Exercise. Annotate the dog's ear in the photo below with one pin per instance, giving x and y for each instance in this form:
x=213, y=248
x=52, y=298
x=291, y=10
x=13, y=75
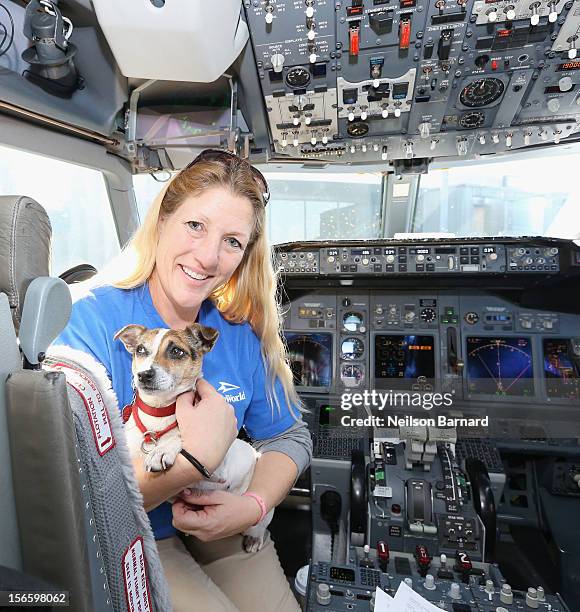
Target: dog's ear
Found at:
x=202, y=338
x=130, y=335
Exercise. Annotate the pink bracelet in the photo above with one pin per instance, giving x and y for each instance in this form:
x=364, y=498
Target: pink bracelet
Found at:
x=261, y=503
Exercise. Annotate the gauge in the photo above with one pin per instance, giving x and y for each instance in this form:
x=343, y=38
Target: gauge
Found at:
x=298, y=77
x=352, y=348
x=500, y=366
x=471, y=317
x=351, y=375
x=473, y=120
x=358, y=129
x=481, y=92
x=428, y=315
x=352, y=321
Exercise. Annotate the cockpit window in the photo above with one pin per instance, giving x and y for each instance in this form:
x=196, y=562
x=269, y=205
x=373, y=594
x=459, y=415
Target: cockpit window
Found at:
x=527, y=195
x=313, y=205
x=324, y=205
x=76, y=201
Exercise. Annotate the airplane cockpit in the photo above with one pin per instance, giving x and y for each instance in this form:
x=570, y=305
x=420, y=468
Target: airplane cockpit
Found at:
x=424, y=217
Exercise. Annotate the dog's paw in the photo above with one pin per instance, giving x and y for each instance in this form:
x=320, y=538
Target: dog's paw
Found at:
x=162, y=457
x=253, y=544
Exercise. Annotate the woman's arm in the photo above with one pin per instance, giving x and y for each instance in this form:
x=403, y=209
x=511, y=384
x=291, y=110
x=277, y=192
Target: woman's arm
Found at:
x=157, y=487
x=284, y=458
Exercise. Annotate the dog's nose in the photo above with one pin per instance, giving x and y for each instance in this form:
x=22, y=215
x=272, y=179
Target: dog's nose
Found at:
x=146, y=375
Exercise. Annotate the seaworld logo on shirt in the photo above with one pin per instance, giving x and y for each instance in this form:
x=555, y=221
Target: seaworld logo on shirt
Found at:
x=225, y=387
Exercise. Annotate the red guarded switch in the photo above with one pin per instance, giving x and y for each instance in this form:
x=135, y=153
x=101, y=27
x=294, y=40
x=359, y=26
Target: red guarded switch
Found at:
x=354, y=39
x=404, y=33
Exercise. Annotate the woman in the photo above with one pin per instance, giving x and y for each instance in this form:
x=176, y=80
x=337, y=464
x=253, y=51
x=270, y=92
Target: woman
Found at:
x=202, y=255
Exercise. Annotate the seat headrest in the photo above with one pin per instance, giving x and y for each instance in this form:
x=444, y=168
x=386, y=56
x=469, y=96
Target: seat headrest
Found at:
x=25, y=234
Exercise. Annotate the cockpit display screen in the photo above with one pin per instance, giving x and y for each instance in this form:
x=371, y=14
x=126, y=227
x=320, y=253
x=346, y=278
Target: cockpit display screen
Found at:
x=404, y=357
x=310, y=356
x=561, y=368
x=500, y=366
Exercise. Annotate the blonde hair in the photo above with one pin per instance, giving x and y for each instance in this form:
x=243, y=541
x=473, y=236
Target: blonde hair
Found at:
x=250, y=294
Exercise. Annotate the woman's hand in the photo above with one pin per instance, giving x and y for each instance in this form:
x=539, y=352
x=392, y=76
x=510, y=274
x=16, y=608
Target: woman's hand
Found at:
x=208, y=427
x=212, y=515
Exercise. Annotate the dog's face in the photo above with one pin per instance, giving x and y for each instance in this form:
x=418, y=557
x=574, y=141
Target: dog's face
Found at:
x=166, y=362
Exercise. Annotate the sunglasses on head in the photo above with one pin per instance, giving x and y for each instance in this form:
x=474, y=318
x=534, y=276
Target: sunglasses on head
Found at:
x=220, y=155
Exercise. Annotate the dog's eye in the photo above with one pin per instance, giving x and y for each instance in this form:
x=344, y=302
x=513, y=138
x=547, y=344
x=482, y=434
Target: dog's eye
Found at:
x=141, y=350
x=176, y=352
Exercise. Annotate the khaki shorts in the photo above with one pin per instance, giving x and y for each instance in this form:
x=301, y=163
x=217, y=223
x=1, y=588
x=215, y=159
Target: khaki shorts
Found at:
x=221, y=577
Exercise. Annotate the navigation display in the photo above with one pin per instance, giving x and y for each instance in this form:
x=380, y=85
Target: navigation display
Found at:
x=404, y=357
x=561, y=369
x=500, y=366
x=310, y=356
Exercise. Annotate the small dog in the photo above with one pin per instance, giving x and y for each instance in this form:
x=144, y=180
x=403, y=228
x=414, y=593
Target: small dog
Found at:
x=167, y=363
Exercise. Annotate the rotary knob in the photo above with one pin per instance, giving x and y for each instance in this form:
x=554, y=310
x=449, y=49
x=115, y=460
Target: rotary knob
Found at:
x=510, y=13
x=429, y=583
x=420, y=258
x=506, y=595
x=455, y=591
x=323, y=594
x=532, y=598
x=410, y=316
x=492, y=16
x=565, y=84
x=390, y=259
x=385, y=113
x=277, y=62
x=553, y=105
x=425, y=129
x=397, y=112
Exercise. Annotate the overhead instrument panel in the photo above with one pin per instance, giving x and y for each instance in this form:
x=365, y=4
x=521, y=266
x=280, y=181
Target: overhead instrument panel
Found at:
x=384, y=80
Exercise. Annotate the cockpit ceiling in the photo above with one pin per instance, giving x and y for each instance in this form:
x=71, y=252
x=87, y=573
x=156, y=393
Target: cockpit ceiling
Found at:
x=377, y=82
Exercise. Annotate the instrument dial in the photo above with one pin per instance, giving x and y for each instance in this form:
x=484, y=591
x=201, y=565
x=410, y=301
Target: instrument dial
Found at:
x=471, y=121
x=352, y=348
x=358, y=129
x=351, y=375
x=471, y=317
x=428, y=315
x=352, y=321
x=298, y=77
x=481, y=92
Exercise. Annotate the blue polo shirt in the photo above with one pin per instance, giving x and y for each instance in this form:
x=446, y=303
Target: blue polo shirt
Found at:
x=234, y=366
